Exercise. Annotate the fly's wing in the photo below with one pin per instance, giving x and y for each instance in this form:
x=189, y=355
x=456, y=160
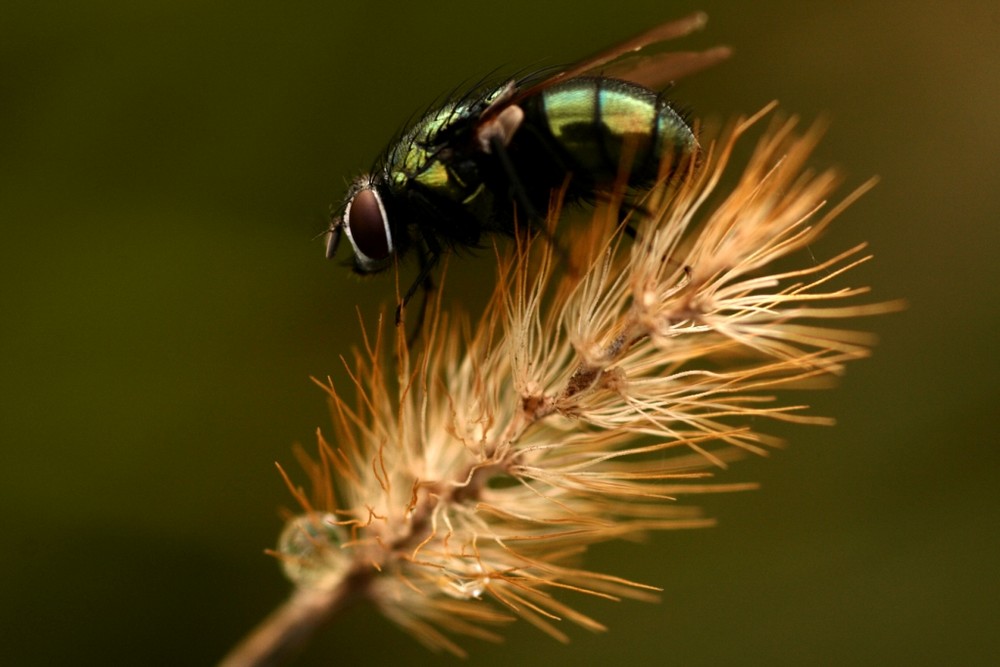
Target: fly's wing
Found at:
x=619, y=58
x=620, y=61
x=659, y=70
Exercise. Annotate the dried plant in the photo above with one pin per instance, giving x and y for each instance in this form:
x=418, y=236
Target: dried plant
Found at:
x=464, y=482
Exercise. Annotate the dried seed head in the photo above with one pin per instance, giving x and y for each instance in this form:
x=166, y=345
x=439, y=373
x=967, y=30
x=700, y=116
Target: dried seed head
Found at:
x=582, y=405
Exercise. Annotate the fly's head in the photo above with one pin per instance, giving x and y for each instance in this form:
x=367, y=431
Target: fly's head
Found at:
x=366, y=225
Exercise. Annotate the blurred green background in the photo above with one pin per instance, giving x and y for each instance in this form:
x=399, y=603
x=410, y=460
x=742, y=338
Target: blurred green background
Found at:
x=163, y=169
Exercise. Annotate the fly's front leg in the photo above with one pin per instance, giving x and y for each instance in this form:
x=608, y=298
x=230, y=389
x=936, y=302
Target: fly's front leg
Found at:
x=428, y=255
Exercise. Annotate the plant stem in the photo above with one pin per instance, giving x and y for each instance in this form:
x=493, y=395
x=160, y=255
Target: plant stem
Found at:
x=284, y=633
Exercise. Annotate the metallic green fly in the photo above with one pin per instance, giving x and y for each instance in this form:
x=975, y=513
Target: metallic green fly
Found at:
x=459, y=173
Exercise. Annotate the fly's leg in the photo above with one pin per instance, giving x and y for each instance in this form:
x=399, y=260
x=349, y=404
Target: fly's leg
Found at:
x=429, y=253
x=629, y=210
x=535, y=220
x=498, y=148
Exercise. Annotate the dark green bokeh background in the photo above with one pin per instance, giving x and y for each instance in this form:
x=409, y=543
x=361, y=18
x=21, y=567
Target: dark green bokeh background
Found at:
x=163, y=167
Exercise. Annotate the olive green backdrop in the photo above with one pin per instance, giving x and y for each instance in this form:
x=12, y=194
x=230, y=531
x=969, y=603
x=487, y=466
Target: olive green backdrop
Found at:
x=163, y=169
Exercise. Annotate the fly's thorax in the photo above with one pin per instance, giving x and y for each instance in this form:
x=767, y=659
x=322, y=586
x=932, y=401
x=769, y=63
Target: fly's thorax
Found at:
x=438, y=159
x=601, y=126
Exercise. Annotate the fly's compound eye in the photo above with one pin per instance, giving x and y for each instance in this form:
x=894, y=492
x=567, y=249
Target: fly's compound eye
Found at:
x=367, y=228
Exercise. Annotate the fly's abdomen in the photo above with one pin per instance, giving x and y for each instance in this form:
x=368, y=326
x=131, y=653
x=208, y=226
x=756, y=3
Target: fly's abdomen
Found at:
x=597, y=128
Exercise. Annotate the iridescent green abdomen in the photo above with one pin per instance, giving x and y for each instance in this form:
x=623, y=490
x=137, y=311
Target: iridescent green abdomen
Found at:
x=595, y=127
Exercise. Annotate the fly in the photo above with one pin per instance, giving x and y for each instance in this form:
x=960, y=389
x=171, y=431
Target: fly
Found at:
x=459, y=172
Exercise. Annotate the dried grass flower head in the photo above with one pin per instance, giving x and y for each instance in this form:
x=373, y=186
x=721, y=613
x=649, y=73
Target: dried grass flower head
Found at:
x=463, y=483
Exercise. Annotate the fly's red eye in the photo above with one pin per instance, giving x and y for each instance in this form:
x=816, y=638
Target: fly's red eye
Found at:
x=366, y=223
